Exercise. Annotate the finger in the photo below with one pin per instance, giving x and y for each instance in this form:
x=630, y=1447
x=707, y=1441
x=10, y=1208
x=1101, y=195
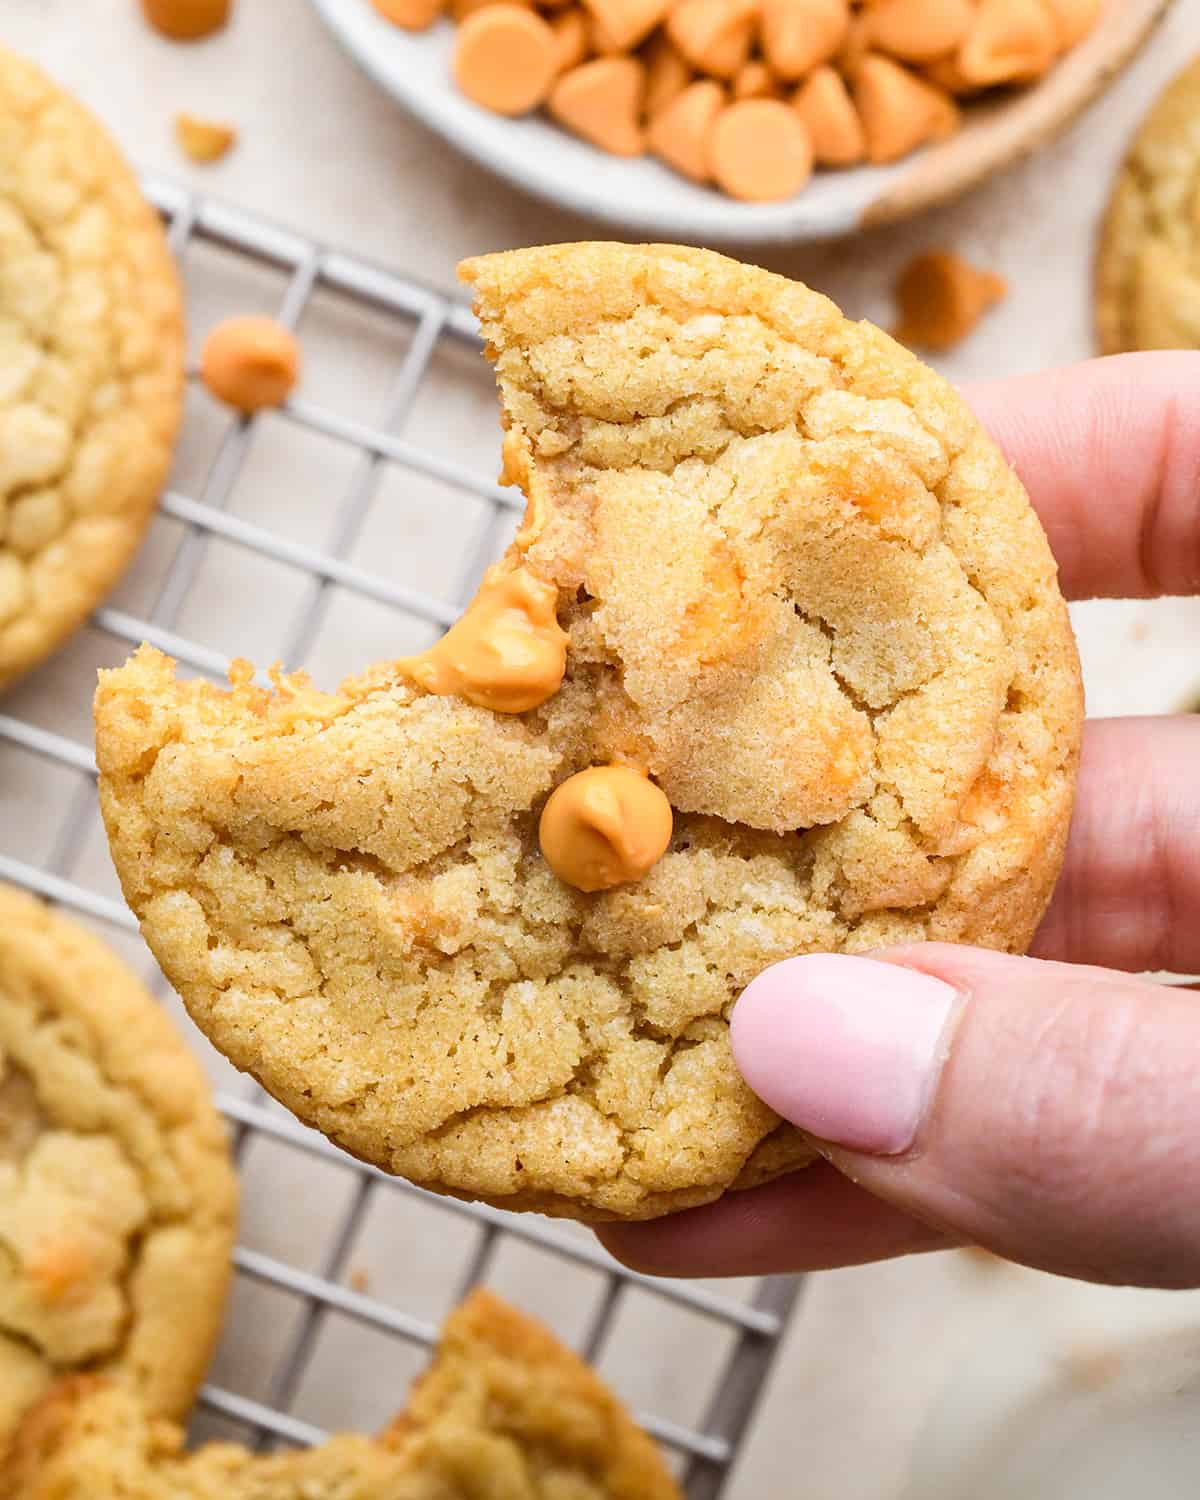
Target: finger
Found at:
x=1048, y=1112
x=1110, y=454
x=809, y=1221
x=1133, y=859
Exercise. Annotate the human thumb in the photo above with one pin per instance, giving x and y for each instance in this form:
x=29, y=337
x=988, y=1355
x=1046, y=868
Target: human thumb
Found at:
x=1049, y=1112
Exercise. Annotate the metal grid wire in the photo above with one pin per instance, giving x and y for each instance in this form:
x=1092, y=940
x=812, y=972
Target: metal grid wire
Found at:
x=704, y=1451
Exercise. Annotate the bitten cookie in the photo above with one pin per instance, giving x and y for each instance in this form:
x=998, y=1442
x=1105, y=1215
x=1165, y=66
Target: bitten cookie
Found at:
x=773, y=578
x=504, y=1412
x=91, y=364
x=1148, y=264
x=117, y=1198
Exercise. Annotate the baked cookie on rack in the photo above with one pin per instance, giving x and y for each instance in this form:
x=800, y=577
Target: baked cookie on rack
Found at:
x=91, y=354
x=504, y=1412
x=776, y=663
x=1148, y=264
x=117, y=1197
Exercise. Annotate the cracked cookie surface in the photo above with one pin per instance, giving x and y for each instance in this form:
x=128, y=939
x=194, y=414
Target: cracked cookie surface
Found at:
x=802, y=589
x=117, y=1198
x=91, y=364
x=1148, y=264
x=504, y=1412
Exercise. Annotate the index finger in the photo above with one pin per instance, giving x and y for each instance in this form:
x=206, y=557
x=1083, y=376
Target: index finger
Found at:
x=1110, y=454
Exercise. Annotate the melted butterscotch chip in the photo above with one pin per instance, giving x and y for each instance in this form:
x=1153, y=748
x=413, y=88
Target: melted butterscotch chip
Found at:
x=604, y=827
x=506, y=653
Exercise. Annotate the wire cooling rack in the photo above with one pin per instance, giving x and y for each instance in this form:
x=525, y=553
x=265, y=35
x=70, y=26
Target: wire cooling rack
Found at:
x=692, y=1357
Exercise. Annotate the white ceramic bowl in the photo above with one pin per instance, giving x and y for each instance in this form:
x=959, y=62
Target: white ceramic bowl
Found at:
x=647, y=198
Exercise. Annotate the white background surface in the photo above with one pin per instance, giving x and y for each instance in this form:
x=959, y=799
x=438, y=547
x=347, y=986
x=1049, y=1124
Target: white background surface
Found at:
x=324, y=151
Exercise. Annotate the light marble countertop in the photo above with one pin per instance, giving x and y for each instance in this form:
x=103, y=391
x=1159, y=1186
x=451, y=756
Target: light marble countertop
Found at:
x=322, y=150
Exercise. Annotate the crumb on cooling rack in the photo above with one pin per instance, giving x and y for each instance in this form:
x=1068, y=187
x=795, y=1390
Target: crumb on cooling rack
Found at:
x=203, y=140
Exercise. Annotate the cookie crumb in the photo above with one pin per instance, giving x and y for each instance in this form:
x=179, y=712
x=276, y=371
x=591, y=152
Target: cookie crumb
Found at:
x=360, y=1280
x=203, y=140
x=941, y=298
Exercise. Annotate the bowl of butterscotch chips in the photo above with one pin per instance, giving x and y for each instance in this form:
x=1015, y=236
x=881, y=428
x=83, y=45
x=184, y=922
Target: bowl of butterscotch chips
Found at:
x=749, y=120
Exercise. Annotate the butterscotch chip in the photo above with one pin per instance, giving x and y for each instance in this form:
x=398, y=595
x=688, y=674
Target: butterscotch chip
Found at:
x=603, y=827
x=714, y=35
x=667, y=75
x=1074, y=19
x=505, y=58
x=946, y=73
x=898, y=110
x=941, y=298
x=503, y=1412
x=756, y=81
x=761, y=151
x=186, y=20
x=803, y=590
x=602, y=102
x=92, y=339
x=571, y=29
x=623, y=24
x=920, y=30
x=823, y=102
x=1148, y=266
x=856, y=46
x=681, y=133
x=801, y=34
x=459, y=10
x=203, y=140
x=117, y=1196
x=412, y=15
x=1011, y=41
x=250, y=363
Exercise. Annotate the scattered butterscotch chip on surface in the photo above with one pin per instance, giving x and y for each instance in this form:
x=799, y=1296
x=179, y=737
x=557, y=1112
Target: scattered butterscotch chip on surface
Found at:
x=250, y=363
x=411, y=15
x=505, y=59
x=941, y=298
x=601, y=101
x=760, y=151
x=682, y=132
x=186, y=20
x=203, y=140
x=823, y=102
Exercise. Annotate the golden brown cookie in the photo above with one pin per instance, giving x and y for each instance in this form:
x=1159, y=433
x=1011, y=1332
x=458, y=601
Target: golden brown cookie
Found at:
x=117, y=1198
x=91, y=364
x=1148, y=264
x=504, y=1412
x=801, y=589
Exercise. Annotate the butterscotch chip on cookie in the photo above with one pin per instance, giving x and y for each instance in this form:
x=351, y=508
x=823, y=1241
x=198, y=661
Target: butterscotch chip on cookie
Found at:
x=1148, y=266
x=91, y=364
x=117, y=1198
x=504, y=1412
x=803, y=593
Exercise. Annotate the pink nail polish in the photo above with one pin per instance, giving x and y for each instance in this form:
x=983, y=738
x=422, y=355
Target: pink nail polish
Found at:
x=849, y=1049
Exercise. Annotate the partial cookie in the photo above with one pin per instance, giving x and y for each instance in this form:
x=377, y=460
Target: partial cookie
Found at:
x=504, y=1412
x=91, y=364
x=117, y=1198
x=800, y=588
x=1148, y=265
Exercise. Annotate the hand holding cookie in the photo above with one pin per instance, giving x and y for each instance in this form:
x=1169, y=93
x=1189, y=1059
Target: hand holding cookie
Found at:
x=1039, y=1107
